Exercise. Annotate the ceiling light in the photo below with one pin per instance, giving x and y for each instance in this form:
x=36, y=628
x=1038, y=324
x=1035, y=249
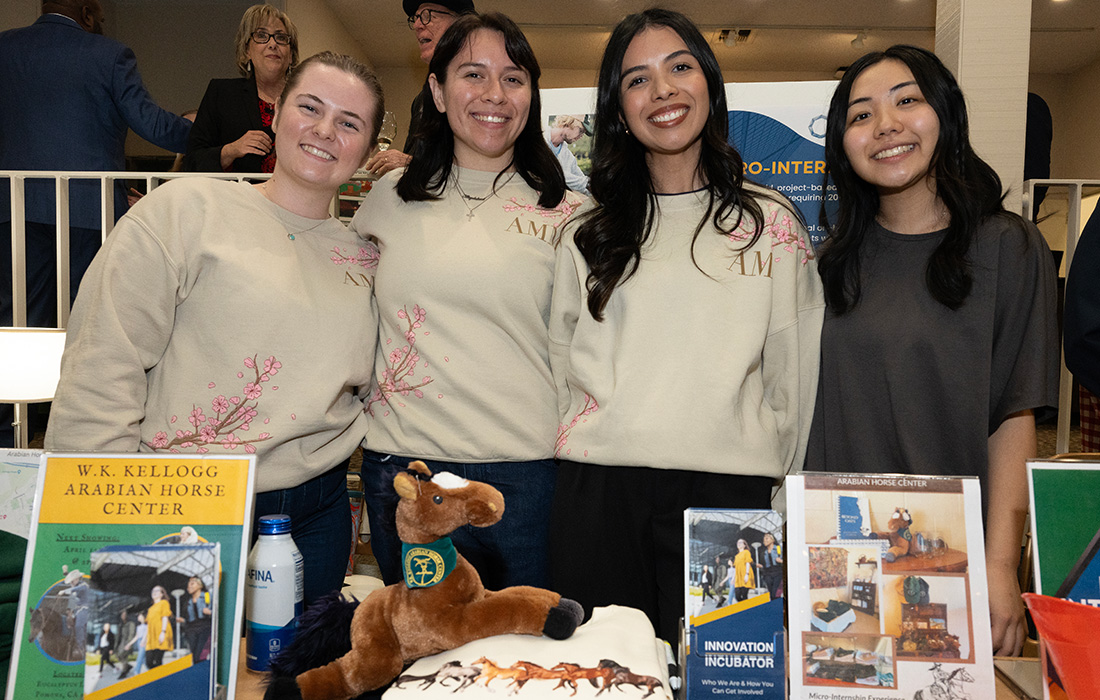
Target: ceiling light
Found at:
x=735, y=37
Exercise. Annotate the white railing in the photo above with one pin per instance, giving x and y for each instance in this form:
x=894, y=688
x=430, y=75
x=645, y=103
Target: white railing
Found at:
x=1074, y=192
x=17, y=180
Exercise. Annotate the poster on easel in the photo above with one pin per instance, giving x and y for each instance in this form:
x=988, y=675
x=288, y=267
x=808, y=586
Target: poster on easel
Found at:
x=134, y=577
x=899, y=610
x=1065, y=529
x=778, y=128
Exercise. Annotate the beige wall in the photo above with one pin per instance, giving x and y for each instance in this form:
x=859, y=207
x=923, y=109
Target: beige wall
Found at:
x=18, y=13
x=320, y=30
x=1074, y=101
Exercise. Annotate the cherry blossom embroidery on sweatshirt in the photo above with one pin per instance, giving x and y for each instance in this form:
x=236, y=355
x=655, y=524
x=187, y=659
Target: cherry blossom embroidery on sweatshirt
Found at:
x=366, y=257
x=402, y=363
x=560, y=213
x=228, y=416
x=783, y=234
x=590, y=407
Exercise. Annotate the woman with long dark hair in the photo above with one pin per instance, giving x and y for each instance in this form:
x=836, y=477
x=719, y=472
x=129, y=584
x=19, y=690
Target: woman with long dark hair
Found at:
x=466, y=239
x=684, y=329
x=939, y=338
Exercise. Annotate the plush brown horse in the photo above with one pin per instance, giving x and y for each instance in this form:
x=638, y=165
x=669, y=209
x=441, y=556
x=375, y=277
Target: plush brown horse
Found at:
x=441, y=604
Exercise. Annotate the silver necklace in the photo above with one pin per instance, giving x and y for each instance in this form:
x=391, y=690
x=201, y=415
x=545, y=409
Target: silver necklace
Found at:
x=290, y=234
x=466, y=198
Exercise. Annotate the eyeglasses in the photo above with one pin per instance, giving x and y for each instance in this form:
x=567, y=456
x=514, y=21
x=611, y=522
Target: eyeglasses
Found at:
x=262, y=36
x=425, y=17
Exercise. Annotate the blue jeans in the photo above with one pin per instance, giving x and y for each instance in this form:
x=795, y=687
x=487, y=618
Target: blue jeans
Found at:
x=513, y=552
x=320, y=523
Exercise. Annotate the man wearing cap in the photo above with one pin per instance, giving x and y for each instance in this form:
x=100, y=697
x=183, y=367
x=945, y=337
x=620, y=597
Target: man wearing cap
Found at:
x=429, y=20
x=567, y=129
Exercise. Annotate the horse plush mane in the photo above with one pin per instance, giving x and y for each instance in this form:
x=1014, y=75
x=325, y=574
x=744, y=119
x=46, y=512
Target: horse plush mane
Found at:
x=441, y=604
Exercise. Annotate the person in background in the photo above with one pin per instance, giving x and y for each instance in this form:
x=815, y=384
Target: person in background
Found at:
x=232, y=131
x=140, y=633
x=68, y=96
x=158, y=638
x=276, y=293
x=771, y=566
x=940, y=338
x=1081, y=329
x=126, y=628
x=429, y=21
x=105, y=642
x=466, y=240
x=567, y=130
x=744, y=575
x=196, y=619
x=683, y=331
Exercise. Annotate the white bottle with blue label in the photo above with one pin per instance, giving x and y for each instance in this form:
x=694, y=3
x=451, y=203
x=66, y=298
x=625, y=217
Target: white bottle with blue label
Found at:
x=274, y=593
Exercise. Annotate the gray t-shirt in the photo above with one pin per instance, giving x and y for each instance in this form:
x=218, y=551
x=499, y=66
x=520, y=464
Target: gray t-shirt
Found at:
x=910, y=386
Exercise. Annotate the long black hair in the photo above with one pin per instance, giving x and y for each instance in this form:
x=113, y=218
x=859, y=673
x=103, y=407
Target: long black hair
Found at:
x=967, y=185
x=432, y=153
x=611, y=236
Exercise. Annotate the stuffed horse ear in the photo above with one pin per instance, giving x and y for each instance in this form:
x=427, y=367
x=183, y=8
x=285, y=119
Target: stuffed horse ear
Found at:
x=407, y=484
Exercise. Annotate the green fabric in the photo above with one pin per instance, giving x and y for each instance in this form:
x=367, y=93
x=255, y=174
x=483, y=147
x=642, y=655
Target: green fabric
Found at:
x=426, y=565
x=13, y=550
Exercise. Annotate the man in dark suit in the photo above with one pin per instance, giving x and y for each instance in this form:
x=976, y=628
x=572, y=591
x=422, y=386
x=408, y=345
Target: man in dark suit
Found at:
x=67, y=96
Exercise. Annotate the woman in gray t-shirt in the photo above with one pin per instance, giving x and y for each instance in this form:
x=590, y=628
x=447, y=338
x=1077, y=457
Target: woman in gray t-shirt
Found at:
x=939, y=338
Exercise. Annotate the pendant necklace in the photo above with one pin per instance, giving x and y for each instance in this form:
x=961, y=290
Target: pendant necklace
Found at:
x=291, y=234
x=480, y=200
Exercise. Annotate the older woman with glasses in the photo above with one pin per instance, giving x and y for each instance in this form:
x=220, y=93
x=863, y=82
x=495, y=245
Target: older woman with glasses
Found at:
x=232, y=130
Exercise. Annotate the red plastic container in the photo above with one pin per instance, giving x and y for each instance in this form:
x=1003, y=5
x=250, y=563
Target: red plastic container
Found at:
x=1068, y=633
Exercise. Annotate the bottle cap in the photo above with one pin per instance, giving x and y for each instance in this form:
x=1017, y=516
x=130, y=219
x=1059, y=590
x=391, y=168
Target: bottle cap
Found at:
x=274, y=524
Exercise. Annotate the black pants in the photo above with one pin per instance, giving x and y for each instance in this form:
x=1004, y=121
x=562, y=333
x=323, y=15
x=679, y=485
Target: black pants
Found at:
x=105, y=658
x=154, y=657
x=617, y=534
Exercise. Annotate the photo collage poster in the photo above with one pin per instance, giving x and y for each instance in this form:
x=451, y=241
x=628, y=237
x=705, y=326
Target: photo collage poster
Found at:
x=778, y=128
x=896, y=606
x=134, y=577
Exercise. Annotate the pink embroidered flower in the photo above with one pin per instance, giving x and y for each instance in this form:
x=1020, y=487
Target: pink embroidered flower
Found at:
x=250, y=363
x=250, y=449
x=208, y=433
x=160, y=440
x=230, y=441
x=197, y=417
x=252, y=391
x=220, y=404
x=272, y=366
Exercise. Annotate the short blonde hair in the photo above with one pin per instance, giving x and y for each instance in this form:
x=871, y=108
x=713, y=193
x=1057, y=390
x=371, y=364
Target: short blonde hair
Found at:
x=566, y=120
x=254, y=18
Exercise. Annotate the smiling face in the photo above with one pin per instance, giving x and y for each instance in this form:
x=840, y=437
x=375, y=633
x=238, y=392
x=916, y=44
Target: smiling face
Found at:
x=323, y=128
x=271, y=60
x=664, y=96
x=891, y=132
x=487, y=100
x=427, y=35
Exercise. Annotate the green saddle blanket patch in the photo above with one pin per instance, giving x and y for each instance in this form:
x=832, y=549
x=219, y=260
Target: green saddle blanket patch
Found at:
x=426, y=565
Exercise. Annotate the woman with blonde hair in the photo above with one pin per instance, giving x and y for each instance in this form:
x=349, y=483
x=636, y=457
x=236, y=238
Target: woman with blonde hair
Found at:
x=232, y=131
x=158, y=638
x=224, y=317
